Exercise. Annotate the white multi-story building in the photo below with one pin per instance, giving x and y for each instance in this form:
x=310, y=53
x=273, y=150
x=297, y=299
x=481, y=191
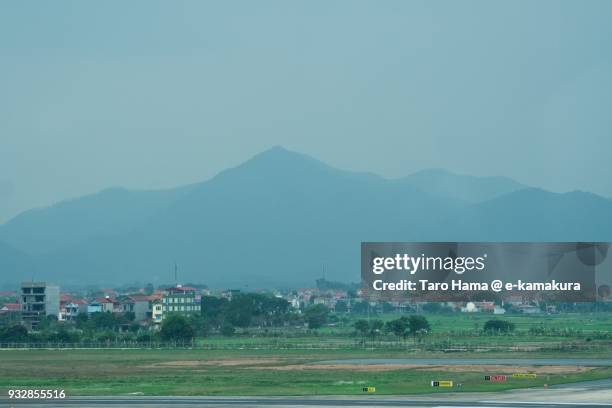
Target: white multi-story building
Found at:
x=182, y=300
x=38, y=300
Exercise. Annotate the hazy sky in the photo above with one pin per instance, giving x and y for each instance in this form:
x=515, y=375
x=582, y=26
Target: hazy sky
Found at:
x=155, y=94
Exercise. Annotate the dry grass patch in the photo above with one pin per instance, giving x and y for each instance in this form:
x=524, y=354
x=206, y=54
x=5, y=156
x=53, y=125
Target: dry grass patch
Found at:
x=216, y=363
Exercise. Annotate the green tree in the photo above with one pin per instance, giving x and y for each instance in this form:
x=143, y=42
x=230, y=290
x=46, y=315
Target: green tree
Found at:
x=362, y=327
x=227, y=329
x=103, y=321
x=398, y=327
x=316, y=316
x=270, y=310
x=341, y=307
x=213, y=309
x=498, y=326
x=376, y=326
x=145, y=338
x=48, y=323
x=418, y=324
x=14, y=334
x=240, y=310
x=126, y=317
x=247, y=309
x=177, y=328
x=360, y=307
x=65, y=336
x=81, y=320
x=200, y=324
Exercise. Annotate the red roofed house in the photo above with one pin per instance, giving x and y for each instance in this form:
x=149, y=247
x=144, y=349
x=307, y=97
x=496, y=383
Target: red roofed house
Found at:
x=10, y=307
x=101, y=305
x=11, y=311
x=140, y=305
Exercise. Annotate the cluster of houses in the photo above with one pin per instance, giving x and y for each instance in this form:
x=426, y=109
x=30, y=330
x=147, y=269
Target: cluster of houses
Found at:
x=39, y=299
x=36, y=300
x=315, y=296
x=333, y=298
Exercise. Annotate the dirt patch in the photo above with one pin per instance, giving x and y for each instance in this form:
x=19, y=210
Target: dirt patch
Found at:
x=216, y=363
x=244, y=361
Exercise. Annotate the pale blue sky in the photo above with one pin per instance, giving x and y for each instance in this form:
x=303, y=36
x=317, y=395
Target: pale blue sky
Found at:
x=155, y=94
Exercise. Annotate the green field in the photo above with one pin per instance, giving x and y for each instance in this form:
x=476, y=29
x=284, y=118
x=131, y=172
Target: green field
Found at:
x=584, y=323
x=203, y=372
x=588, y=332
x=273, y=362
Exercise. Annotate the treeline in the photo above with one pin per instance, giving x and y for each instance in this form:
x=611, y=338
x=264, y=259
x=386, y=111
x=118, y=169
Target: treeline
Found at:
x=245, y=310
x=417, y=326
x=244, y=313
x=219, y=316
x=405, y=326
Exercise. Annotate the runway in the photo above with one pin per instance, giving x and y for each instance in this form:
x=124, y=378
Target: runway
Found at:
x=591, y=394
x=260, y=402
x=584, y=362
x=293, y=402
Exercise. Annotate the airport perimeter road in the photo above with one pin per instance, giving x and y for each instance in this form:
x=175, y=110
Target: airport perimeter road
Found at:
x=585, y=362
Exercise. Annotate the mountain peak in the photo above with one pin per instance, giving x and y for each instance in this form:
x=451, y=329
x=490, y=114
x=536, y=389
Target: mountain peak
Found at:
x=278, y=149
x=278, y=160
x=280, y=153
x=289, y=205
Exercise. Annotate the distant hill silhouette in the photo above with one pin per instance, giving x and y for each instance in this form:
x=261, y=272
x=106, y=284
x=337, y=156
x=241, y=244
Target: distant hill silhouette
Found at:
x=467, y=188
x=69, y=222
x=279, y=218
x=536, y=215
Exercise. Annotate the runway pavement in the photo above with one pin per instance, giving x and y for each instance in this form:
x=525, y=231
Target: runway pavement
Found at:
x=294, y=402
x=585, y=362
x=591, y=394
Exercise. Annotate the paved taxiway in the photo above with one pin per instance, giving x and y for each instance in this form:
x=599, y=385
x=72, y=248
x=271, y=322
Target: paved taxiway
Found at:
x=591, y=394
x=586, y=362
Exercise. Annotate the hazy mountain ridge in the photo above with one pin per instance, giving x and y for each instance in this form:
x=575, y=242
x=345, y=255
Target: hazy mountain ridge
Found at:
x=108, y=212
x=276, y=212
x=536, y=215
x=471, y=189
x=14, y=264
x=280, y=217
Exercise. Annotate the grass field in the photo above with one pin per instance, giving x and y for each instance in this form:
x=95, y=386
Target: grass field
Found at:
x=584, y=323
x=270, y=370
x=589, y=331
x=263, y=372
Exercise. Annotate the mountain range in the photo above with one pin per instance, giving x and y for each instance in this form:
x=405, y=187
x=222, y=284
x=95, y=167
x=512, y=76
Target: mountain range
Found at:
x=281, y=219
